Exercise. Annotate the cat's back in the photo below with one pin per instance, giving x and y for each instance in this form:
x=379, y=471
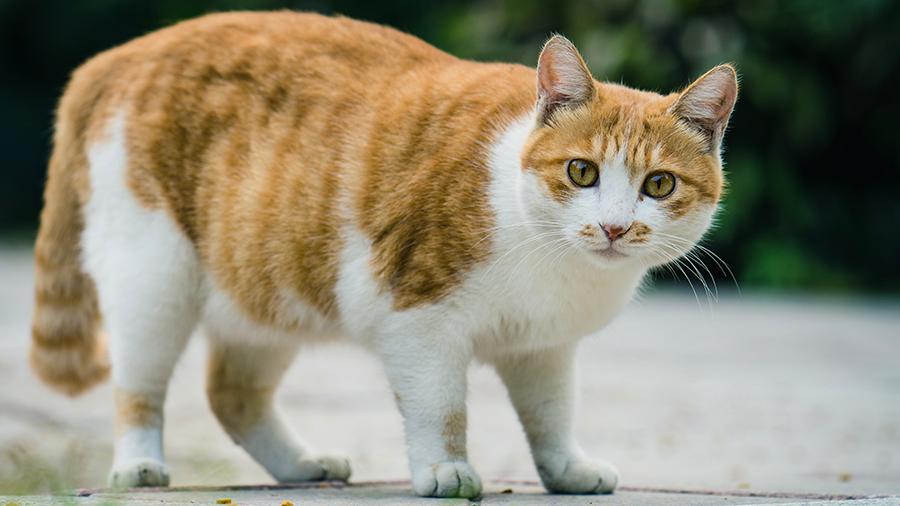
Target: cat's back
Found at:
x=259, y=53
x=255, y=39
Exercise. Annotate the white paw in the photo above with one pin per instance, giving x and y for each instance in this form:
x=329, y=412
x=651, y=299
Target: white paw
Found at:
x=447, y=479
x=336, y=467
x=582, y=477
x=139, y=473
x=321, y=468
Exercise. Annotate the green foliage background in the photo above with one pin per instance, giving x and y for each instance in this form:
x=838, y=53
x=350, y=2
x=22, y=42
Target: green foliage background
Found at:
x=813, y=151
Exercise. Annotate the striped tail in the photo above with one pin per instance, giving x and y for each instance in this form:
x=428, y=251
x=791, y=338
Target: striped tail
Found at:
x=66, y=350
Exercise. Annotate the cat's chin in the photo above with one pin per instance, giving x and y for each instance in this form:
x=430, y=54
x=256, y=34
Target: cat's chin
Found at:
x=609, y=256
x=609, y=253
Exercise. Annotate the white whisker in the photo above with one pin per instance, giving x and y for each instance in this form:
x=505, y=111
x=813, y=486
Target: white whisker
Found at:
x=685, y=261
x=516, y=268
x=494, y=230
x=722, y=265
x=514, y=248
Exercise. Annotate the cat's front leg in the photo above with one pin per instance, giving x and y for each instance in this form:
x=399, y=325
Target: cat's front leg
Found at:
x=541, y=385
x=429, y=386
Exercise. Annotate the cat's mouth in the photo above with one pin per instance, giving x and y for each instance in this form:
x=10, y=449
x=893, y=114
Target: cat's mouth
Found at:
x=608, y=253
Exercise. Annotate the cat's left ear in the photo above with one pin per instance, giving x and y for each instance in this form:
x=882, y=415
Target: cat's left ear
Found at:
x=707, y=104
x=563, y=78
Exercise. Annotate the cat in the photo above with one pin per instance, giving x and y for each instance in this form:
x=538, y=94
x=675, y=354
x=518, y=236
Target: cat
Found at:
x=289, y=178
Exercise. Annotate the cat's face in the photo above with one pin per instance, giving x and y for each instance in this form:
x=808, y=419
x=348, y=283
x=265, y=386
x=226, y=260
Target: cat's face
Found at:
x=621, y=176
x=621, y=182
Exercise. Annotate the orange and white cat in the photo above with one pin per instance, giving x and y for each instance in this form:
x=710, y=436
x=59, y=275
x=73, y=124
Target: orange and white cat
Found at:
x=285, y=178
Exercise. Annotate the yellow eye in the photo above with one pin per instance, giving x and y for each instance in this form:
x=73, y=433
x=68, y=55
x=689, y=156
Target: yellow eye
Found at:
x=583, y=172
x=659, y=184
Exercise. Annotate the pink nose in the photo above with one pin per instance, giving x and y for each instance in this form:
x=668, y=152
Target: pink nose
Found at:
x=614, y=231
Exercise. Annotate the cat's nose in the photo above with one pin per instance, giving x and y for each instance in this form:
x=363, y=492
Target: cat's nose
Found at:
x=614, y=231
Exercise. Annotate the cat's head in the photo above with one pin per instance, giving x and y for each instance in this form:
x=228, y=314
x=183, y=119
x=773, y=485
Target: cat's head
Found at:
x=623, y=176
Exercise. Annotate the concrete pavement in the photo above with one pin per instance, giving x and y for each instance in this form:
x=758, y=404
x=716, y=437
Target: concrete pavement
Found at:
x=497, y=493
x=760, y=393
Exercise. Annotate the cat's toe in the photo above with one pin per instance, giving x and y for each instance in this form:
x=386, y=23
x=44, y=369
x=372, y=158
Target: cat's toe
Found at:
x=583, y=477
x=319, y=468
x=336, y=467
x=139, y=473
x=447, y=479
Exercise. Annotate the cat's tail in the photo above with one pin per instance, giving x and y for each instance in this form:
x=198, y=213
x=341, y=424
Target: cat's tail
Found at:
x=67, y=350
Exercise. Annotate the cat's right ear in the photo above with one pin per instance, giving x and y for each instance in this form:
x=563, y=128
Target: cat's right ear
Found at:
x=706, y=104
x=563, y=78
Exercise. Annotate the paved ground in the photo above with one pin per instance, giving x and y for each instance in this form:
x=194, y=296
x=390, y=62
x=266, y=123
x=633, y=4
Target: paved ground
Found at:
x=398, y=494
x=760, y=393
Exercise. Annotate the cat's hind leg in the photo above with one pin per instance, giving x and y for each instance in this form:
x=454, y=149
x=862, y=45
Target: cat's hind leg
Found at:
x=150, y=309
x=241, y=384
x=541, y=385
x=147, y=276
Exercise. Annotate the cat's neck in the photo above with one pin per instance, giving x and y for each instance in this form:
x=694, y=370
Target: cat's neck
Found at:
x=506, y=174
x=550, y=291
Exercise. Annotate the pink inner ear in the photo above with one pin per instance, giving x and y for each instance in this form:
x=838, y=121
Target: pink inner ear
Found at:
x=726, y=104
x=546, y=80
x=724, y=83
x=710, y=99
x=562, y=75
